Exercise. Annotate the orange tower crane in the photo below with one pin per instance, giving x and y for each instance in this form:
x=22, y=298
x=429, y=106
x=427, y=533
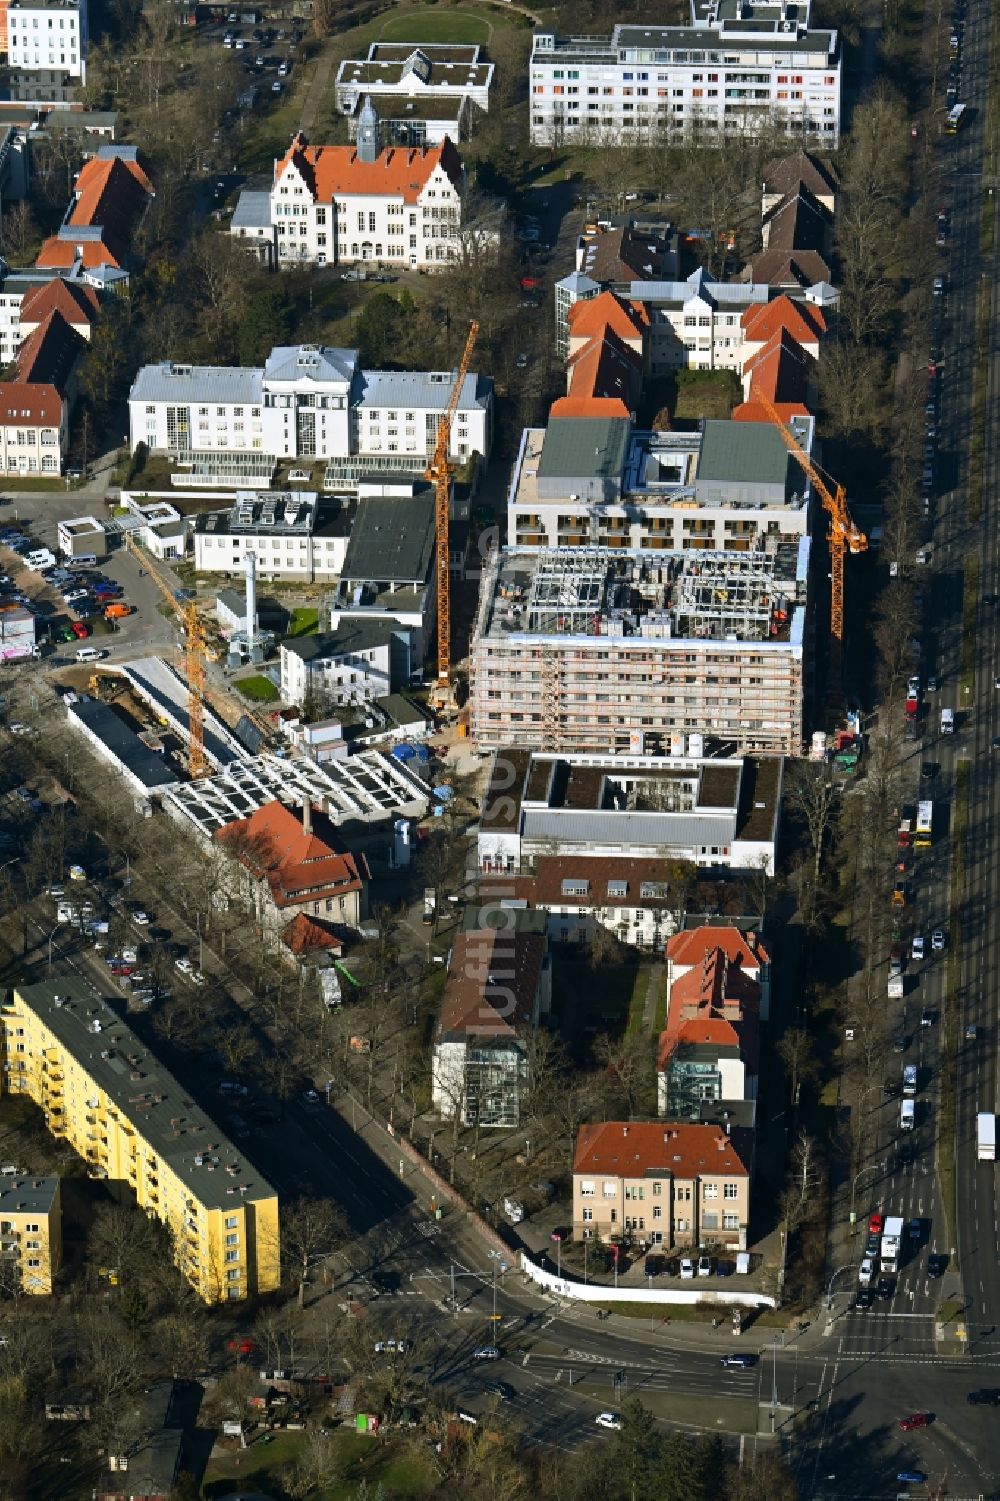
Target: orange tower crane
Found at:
x=440, y=471
x=195, y=646
x=844, y=533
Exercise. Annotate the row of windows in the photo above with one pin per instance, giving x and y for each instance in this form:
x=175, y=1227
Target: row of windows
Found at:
x=609, y=1188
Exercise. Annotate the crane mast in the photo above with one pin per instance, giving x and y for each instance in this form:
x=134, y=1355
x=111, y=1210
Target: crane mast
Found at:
x=844, y=535
x=440, y=471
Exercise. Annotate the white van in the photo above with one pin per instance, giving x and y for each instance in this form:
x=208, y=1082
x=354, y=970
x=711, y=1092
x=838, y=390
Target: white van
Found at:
x=907, y=1115
x=910, y=1081
x=36, y=561
x=89, y=654
x=85, y=560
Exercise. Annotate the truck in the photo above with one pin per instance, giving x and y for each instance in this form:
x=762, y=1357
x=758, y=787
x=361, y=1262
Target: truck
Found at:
x=892, y=1236
x=947, y=721
x=912, y=698
x=986, y=1136
x=896, y=990
x=925, y=825
x=907, y=1115
x=904, y=834
x=430, y=904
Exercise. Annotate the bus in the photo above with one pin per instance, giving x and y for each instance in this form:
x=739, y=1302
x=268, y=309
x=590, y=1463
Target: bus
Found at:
x=954, y=119
x=925, y=820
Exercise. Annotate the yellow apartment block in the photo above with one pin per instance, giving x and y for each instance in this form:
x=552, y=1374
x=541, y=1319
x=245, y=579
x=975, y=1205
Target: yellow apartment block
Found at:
x=30, y=1231
x=102, y=1091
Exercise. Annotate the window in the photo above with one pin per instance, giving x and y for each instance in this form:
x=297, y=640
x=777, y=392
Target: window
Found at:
x=730, y=1222
x=587, y=1188
x=617, y=888
x=575, y=887
x=232, y=1255
x=232, y=1240
x=657, y=1212
x=730, y=1190
x=233, y=1276
x=610, y=1189
x=711, y=1190
x=31, y=1229
x=657, y=1188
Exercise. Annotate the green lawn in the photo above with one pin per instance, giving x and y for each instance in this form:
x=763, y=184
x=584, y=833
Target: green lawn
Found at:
x=403, y=1474
x=259, y=689
x=305, y=620
x=437, y=26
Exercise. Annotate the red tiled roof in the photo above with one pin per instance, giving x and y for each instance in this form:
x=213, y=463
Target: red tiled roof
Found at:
x=606, y=367
x=752, y=411
x=47, y=355
x=803, y=320
x=692, y=945
x=607, y=310
x=778, y=372
x=492, y=982
x=110, y=195
x=588, y=406
x=297, y=866
x=59, y=253
x=398, y=171
x=714, y=1003
x=631, y=1149
x=30, y=406
x=306, y=934
x=79, y=305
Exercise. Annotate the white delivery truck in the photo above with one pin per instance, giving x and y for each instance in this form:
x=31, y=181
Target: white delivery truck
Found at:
x=986, y=1136
x=892, y=1236
x=947, y=721
x=896, y=987
x=907, y=1115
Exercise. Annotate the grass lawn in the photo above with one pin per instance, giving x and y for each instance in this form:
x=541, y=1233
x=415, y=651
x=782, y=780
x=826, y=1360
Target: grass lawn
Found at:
x=305, y=620
x=403, y=1475
x=706, y=393
x=419, y=25
x=259, y=689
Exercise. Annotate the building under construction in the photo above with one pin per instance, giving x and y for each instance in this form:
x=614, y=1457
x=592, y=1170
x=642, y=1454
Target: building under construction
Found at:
x=589, y=649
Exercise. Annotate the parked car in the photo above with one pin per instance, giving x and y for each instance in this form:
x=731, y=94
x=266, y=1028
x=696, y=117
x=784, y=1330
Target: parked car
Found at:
x=704, y=1266
x=392, y=1346
x=501, y=1389
x=915, y=1420
x=985, y=1397
x=608, y=1420
x=487, y=1352
x=687, y=1268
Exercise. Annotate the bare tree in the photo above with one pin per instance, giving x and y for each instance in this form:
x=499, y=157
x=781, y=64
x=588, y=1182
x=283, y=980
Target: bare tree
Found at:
x=797, y=1051
x=311, y=1230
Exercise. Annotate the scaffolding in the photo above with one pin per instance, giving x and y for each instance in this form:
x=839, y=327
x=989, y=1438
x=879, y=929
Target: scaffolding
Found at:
x=568, y=590
x=729, y=594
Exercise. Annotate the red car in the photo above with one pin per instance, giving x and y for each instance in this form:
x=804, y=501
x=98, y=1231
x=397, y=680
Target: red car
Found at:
x=79, y=629
x=876, y=1224
x=915, y=1420
x=242, y=1346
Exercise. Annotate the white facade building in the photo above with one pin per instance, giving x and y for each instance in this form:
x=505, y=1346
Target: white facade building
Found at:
x=731, y=487
x=738, y=65
x=329, y=205
x=359, y=661
x=422, y=93
x=290, y=535
x=48, y=36
x=308, y=403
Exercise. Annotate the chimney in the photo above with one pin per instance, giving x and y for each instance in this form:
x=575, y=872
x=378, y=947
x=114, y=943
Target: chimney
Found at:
x=624, y=1130
x=307, y=815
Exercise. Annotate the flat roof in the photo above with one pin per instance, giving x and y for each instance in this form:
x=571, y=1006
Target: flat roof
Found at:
x=751, y=452
x=122, y=742
x=144, y=1092
x=392, y=540
x=23, y=1193
x=591, y=446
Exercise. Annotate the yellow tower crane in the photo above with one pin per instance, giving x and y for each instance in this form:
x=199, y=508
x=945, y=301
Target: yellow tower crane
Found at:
x=844, y=534
x=194, y=655
x=440, y=471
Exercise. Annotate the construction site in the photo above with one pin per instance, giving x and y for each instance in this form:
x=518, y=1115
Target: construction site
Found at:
x=588, y=649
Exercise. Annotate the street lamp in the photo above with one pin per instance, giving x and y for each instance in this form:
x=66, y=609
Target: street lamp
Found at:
x=557, y=1237
x=870, y=1167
